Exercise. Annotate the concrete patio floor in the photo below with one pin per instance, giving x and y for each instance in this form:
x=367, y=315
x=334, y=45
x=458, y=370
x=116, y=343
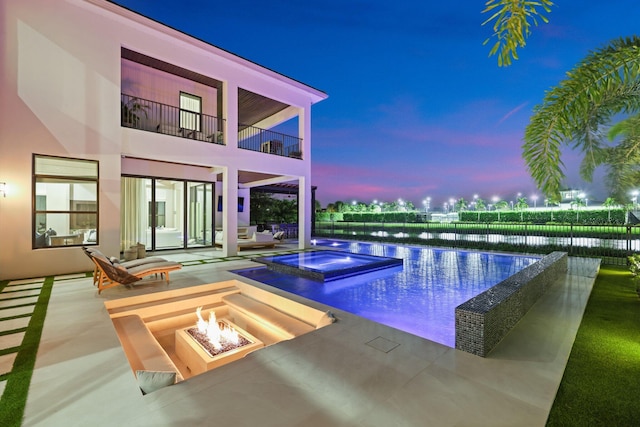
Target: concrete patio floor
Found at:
x=352, y=373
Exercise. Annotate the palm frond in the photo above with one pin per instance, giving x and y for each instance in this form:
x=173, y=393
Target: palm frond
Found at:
x=602, y=85
x=512, y=20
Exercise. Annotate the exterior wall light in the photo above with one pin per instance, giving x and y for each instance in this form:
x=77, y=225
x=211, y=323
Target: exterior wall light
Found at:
x=3, y=189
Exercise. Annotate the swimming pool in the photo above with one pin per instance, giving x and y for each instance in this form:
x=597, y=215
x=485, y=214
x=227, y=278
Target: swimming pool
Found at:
x=419, y=299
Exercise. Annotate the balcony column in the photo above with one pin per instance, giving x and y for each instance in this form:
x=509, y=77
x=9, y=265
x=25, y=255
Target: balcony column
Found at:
x=230, y=211
x=230, y=173
x=304, y=182
x=230, y=113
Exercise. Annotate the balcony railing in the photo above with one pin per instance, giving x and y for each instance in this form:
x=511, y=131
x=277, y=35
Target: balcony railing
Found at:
x=151, y=116
x=268, y=141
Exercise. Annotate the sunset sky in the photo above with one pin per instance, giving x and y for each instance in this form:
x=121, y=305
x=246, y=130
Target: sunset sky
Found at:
x=416, y=108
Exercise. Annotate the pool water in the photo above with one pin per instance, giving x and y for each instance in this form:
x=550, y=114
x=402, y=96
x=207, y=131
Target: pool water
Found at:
x=419, y=299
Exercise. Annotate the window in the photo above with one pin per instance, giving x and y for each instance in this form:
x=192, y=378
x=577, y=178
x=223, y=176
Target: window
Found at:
x=190, y=111
x=65, y=195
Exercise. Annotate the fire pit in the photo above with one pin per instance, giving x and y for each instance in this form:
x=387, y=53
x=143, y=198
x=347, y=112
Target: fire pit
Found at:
x=212, y=344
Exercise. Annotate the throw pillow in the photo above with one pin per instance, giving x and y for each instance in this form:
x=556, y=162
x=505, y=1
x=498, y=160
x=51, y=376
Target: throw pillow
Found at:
x=150, y=381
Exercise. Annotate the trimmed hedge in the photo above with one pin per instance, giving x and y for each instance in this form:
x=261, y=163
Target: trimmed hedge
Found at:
x=570, y=216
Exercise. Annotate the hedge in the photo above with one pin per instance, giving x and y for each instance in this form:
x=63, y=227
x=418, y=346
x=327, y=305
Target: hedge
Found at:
x=571, y=216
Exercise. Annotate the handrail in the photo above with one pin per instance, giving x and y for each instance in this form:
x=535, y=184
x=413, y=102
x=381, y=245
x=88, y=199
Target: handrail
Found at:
x=268, y=141
x=151, y=116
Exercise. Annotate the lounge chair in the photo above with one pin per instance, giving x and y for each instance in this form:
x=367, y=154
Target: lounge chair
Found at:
x=111, y=274
x=126, y=264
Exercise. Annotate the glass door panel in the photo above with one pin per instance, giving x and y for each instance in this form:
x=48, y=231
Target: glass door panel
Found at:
x=199, y=225
x=169, y=214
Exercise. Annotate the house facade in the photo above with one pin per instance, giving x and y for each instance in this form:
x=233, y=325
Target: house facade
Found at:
x=116, y=130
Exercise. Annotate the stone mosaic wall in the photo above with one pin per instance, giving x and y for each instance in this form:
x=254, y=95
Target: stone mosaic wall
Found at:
x=484, y=320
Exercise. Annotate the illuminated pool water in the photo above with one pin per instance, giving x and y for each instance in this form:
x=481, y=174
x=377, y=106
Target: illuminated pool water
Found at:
x=419, y=299
x=327, y=265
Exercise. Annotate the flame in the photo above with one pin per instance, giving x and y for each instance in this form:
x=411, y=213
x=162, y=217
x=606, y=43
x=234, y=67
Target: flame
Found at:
x=217, y=333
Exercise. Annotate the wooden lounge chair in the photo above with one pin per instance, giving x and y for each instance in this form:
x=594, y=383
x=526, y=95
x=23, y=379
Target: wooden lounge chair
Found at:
x=89, y=251
x=111, y=274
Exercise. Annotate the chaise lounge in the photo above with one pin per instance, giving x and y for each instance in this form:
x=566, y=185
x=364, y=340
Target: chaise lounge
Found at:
x=109, y=272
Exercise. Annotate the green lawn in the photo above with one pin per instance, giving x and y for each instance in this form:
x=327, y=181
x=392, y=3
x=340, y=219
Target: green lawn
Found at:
x=601, y=383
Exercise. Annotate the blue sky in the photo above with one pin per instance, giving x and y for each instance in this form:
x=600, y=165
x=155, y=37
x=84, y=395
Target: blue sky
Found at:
x=416, y=108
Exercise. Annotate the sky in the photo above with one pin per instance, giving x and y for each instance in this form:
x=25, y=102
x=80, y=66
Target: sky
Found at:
x=416, y=107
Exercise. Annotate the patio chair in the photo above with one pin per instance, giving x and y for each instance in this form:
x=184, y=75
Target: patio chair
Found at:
x=126, y=264
x=112, y=274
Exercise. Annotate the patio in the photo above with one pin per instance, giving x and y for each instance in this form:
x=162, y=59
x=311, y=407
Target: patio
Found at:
x=354, y=372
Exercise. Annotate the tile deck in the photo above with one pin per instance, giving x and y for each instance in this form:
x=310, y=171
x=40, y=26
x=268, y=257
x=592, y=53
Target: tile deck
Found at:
x=352, y=373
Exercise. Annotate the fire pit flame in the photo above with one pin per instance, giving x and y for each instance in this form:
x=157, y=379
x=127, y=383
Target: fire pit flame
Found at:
x=216, y=332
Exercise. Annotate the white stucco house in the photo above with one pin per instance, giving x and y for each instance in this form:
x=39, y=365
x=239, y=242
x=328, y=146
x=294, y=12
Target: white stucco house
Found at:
x=116, y=129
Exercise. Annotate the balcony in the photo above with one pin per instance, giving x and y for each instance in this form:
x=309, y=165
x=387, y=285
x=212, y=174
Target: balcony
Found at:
x=267, y=141
x=151, y=116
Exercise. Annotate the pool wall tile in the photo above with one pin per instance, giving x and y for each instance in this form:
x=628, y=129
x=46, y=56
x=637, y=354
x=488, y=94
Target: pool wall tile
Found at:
x=484, y=320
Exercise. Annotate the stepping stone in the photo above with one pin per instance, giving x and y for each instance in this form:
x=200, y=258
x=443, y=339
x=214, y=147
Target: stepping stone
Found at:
x=12, y=324
x=6, y=365
x=14, y=302
x=18, y=294
x=28, y=286
x=17, y=311
x=39, y=281
x=11, y=340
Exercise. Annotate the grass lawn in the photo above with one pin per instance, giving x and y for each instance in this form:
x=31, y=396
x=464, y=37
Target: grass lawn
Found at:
x=601, y=383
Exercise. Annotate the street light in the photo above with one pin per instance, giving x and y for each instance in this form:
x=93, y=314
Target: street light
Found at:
x=427, y=204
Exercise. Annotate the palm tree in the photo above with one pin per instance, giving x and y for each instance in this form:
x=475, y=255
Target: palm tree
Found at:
x=460, y=205
x=521, y=203
x=609, y=203
x=480, y=206
x=501, y=205
x=601, y=88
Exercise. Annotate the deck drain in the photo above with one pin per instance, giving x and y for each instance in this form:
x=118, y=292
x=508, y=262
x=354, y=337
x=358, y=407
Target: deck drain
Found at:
x=382, y=344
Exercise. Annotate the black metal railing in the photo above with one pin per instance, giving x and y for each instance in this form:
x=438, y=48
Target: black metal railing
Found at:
x=268, y=141
x=151, y=116
x=611, y=243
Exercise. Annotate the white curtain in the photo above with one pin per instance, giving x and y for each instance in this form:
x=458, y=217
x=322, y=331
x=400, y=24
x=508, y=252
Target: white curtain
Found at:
x=134, y=216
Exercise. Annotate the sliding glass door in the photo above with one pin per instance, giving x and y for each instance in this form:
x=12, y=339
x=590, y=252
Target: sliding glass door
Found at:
x=200, y=218
x=159, y=213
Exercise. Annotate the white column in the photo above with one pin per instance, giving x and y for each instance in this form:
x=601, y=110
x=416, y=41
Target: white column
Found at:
x=230, y=211
x=304, y=182
x=230, y=173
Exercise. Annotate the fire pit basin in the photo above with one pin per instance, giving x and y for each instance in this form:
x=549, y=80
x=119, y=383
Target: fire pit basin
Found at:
x=197, y=358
